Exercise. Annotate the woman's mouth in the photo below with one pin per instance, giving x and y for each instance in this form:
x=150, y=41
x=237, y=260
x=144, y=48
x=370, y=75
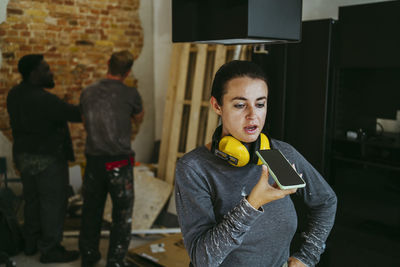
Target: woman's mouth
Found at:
x=252, y=129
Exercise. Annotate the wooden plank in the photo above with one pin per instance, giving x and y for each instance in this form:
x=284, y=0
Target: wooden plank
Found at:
x=152, y=231
x=177, y=115
x=203, y=103
x=243, y=52
x=201, y=137
x=212, y=121
x=168, y=110
x=197, y=93
x=208, y=75
x=213, y=48
x=236, y=52
x=184, y=127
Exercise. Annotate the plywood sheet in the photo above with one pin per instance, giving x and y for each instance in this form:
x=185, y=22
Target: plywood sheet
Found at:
x=151, y=194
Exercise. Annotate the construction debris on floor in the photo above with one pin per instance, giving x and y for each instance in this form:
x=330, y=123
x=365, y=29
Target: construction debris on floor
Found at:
x=168, y=251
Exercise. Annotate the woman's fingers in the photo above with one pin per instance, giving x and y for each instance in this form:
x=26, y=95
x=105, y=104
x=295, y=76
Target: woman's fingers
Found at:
x=294, y=167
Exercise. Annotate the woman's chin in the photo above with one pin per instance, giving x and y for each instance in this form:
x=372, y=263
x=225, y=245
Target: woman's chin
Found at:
x=249, y=138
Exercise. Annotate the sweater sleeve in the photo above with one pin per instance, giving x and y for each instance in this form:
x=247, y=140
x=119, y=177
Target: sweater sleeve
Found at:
x=321, y=201
x=207, y=241
x=56, y=109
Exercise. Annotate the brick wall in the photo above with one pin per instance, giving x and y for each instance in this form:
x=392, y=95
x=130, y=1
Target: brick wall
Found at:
x=76, y=38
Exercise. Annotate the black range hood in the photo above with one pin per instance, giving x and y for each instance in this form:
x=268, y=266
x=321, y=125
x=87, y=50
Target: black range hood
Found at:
x=236, y=21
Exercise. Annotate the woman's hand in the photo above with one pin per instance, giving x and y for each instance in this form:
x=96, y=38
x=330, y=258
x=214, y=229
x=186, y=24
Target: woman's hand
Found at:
x=293, y=262
x=263, y=193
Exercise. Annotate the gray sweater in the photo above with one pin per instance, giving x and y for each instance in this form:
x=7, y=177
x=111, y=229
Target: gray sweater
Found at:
x=219, y=226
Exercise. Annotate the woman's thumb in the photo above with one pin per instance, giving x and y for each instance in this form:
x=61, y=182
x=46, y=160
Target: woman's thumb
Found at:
x=265, y=170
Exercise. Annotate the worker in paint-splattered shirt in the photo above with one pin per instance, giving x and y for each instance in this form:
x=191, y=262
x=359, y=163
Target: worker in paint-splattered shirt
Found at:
x=107, y=108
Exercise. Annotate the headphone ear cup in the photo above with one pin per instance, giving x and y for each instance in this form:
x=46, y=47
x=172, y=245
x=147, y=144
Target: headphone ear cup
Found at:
x=235, y=149
x=264, y=145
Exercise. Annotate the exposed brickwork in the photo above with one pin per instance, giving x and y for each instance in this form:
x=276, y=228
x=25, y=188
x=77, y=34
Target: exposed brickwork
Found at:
x=76, y=37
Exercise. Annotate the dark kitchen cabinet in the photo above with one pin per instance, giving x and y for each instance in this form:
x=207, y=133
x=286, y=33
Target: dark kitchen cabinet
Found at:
x=365, y=170
x=370, y=35
x=300, y=97
x=341, y=77
x=300, y=101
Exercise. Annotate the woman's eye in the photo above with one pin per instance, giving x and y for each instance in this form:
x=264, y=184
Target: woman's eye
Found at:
x=260, y=105
x=239, y=105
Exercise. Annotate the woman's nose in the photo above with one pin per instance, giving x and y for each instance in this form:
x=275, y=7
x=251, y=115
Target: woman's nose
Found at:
x=250, y=113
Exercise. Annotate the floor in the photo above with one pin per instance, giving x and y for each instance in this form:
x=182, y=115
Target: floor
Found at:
x=72, y=224
x=366, y=232
x=71, y=243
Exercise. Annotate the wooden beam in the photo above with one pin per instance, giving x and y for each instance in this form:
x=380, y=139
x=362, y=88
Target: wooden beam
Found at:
x=212, y=121
x=177, y=114
x=168, y=109
x=197, y=94
x=243, y=52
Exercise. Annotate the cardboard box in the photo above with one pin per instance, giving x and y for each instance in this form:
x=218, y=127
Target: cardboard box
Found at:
x=172, y=253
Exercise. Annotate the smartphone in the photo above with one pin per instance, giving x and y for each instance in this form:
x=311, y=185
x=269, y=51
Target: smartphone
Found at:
x=280, y=169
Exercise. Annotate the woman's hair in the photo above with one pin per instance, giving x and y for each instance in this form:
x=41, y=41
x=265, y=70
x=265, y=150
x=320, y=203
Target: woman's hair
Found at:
x=231, y=70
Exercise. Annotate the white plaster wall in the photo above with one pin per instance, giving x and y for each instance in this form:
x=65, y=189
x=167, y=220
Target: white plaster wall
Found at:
x=312, y=9
x=6, y=151
x=319, y=9
x=5, y=144
x=162, y=58
x=3, y=9
x=143, y=70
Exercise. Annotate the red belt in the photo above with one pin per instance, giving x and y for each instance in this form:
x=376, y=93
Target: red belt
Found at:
x=120, y=163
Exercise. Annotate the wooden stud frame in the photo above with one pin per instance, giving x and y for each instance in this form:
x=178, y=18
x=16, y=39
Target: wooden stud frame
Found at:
x=189, y=121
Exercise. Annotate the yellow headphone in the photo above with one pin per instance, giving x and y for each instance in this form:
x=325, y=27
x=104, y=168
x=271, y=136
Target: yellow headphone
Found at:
x=234, y=151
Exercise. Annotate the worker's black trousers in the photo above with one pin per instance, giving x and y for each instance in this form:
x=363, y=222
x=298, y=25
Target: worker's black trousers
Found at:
x=46, y=196
x=114, y=175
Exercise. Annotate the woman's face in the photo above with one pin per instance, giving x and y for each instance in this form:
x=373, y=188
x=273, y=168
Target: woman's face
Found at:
x=244, y=108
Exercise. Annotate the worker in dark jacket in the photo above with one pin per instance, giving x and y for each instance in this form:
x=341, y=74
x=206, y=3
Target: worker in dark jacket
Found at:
x=41, y=149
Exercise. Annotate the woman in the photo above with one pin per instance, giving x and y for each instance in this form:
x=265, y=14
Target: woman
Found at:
x=237, y=216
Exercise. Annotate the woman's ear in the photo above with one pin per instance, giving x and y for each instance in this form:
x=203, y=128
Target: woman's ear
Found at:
x=215, y=106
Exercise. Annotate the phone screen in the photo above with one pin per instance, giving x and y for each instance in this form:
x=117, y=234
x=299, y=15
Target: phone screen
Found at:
x=280, y=169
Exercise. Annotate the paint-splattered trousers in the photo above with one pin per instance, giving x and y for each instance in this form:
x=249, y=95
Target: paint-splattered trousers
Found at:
x=103, y=175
